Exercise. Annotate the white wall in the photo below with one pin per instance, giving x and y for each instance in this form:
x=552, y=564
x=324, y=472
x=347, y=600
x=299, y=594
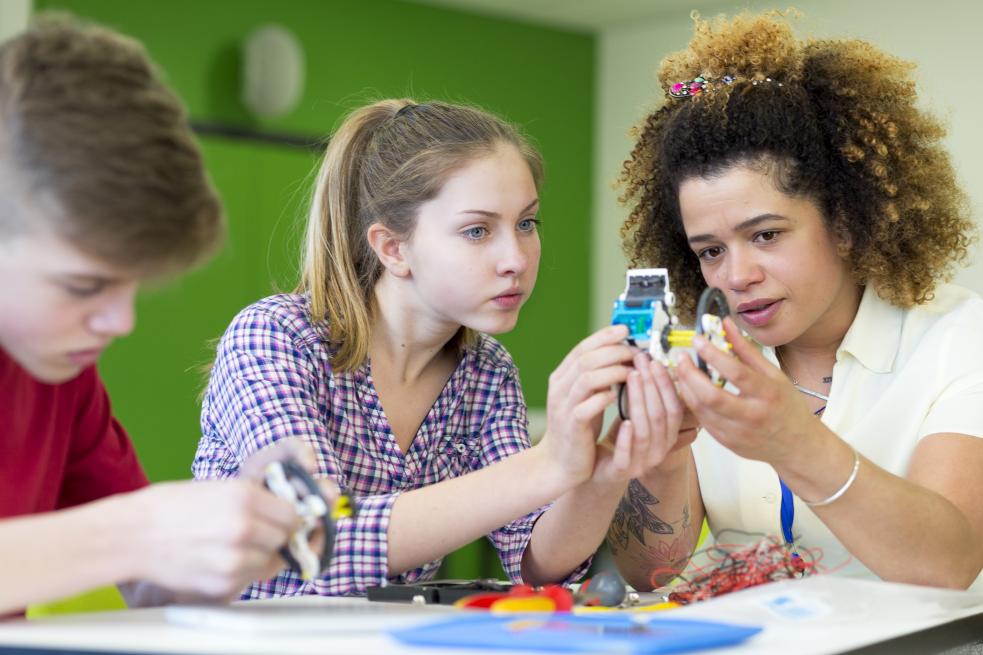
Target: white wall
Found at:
x=944, y=37
x=14, y=15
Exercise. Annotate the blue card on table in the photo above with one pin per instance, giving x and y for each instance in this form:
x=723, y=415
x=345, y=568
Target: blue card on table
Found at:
x=572, y=633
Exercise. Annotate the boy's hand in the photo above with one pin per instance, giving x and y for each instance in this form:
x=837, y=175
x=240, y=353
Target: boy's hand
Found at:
x=213, y=538
x=210, y=538
x=254, y=468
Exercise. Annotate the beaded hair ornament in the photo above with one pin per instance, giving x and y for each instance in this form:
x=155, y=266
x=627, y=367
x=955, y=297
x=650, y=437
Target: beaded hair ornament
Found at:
x=703, y=83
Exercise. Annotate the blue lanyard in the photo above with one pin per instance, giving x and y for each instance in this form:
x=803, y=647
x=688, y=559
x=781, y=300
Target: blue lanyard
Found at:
x=786, y=513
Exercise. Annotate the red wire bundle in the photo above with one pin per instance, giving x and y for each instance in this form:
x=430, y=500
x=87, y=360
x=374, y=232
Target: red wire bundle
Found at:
x=737, y=568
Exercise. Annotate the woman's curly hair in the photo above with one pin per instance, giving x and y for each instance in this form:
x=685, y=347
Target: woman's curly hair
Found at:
x=832, y=120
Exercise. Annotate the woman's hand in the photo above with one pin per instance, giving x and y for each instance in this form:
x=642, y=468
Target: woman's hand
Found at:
x=767, y=420
x=580, y=389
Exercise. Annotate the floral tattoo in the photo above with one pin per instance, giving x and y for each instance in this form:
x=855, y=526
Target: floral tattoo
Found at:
x=633, y=517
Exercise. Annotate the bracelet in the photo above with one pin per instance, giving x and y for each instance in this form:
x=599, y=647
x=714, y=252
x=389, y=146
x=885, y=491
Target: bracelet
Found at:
x=846, y=485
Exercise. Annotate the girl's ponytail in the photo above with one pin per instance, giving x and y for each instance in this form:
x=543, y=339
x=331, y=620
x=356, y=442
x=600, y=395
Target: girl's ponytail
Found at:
x=337, y=258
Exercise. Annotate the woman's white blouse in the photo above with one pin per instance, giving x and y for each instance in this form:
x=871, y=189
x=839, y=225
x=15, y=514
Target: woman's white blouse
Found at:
x=900, y=375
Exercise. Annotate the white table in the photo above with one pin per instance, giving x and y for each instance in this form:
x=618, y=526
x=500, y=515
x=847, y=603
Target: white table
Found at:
x=814, y=616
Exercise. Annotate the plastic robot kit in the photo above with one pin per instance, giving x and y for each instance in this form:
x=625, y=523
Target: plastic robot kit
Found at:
x=646, y=307
x=290, y=481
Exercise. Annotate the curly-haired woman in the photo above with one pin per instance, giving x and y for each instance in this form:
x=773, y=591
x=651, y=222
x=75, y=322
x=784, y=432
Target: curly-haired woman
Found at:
x=801, y=179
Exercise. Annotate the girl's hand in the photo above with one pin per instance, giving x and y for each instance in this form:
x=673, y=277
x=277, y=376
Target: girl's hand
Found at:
x=659, y=425
x=580, y=389
x=767, y=421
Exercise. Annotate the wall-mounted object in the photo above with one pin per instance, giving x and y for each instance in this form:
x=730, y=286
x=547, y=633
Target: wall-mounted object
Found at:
x=272, y=71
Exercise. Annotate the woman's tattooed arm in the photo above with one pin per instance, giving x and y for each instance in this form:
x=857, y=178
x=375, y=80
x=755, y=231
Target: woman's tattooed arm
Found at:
x=648, y=546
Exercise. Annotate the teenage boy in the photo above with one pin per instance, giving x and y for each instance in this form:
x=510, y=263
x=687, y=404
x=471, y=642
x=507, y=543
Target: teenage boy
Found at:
x=101, y=187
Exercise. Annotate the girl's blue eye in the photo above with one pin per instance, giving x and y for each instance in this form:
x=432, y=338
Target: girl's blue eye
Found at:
x=476, y=233
x=529, y=224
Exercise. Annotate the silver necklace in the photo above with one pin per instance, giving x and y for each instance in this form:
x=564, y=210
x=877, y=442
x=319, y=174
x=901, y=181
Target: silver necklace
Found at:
x=809, y=392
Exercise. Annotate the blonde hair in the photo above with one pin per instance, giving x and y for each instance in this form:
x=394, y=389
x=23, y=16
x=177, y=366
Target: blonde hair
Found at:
x=384, y=161
x=100, y=148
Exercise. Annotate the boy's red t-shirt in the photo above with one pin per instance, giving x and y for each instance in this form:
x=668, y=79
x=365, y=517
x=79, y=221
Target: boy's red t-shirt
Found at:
x=59, y=443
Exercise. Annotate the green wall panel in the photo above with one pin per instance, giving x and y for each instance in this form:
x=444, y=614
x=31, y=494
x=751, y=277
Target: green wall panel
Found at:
x=539, y=78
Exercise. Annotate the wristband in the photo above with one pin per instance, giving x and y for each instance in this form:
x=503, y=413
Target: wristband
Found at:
x=846, y=485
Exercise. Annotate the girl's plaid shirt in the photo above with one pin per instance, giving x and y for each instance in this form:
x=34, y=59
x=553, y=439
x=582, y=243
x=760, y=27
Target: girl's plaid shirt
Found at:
x=272, y=379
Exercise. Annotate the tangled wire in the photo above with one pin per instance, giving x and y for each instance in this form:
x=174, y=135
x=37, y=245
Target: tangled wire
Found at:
x=734, y=567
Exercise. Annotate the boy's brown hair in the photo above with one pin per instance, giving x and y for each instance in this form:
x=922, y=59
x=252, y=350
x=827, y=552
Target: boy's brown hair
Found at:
x=94, y=147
